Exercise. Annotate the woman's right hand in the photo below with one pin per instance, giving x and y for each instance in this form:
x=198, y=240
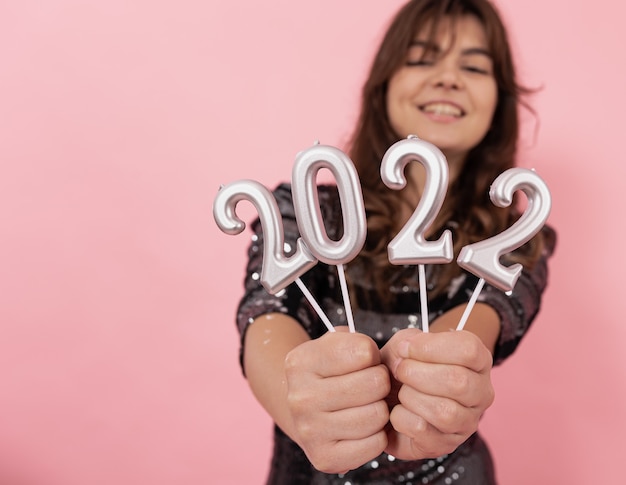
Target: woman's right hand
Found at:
x=336, y=390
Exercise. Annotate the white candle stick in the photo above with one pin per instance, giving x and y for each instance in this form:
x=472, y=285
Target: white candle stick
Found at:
x=346, y=297
x=315, y=305
x=423, y=297
x=470, y=304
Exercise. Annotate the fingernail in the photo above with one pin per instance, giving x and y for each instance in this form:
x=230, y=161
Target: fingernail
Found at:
x=403, y=349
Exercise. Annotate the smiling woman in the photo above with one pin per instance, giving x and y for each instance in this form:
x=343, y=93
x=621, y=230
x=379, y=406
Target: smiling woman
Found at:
x=393, y=403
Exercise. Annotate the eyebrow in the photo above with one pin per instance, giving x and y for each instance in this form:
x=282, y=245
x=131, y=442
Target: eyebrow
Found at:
x=470, y=51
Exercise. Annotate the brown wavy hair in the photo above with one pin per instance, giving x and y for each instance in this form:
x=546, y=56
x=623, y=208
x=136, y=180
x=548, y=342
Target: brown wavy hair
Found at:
x=467, y=209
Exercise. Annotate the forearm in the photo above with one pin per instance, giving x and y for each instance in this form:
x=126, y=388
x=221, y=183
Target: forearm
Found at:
x=268, y=341
x=483, y=321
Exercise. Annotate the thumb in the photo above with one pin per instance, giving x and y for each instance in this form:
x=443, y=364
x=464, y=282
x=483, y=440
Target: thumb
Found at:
x=397, y=348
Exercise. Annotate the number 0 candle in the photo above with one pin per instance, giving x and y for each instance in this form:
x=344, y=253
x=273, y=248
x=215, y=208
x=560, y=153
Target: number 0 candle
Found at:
x=309, y=217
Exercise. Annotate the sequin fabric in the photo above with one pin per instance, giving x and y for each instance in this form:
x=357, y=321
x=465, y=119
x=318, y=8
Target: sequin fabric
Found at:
x=471, y=463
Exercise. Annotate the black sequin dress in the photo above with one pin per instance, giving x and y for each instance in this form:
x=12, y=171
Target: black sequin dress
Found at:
x=471, y=463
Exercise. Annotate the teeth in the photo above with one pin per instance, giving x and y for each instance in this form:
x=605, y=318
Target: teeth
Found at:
x=442, y=109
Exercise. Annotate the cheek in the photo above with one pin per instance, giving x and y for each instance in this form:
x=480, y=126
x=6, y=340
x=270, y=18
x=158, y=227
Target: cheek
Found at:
x=493, y=97
x=400, y=88
x=489, y=101
x=391, y=101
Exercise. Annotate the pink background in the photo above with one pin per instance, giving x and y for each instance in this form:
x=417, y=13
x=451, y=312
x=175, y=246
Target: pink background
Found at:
x=118, y=121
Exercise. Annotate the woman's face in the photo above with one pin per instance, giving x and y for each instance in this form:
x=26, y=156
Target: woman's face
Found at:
x=445, y=93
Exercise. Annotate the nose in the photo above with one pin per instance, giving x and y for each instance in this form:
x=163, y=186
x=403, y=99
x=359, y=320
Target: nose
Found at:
x=447, y=76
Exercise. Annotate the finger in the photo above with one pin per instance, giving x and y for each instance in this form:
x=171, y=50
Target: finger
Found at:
x=456, y=382
x=347, y=455
x=340, y=392
x=349, y=424
x=334, y=354
x=356, y=389
x=390, y=353
x=445, y=415
x=426, y=441
x=357, y=423
x=456, y=347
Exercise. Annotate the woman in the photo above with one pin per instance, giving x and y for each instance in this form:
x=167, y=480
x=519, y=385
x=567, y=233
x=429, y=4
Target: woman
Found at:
x=392, y=404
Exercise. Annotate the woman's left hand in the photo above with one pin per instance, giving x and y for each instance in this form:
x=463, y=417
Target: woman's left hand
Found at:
x=442, y=387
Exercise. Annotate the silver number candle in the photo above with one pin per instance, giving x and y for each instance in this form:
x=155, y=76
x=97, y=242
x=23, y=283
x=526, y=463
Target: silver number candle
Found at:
x=309, y=217
x=483, y=257
x=410, y=245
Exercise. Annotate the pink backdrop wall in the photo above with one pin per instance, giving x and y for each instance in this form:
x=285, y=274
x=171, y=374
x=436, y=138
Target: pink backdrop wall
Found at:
x=118, y=122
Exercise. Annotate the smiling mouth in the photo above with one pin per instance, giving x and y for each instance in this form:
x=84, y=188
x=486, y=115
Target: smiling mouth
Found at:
x=442, y=109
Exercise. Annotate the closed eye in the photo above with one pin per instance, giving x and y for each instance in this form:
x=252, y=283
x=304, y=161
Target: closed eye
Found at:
x=476, y=69
x=419, y=62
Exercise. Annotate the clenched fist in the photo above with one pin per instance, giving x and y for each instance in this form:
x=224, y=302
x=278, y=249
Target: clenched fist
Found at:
x=336, y=391
x=441, y=387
